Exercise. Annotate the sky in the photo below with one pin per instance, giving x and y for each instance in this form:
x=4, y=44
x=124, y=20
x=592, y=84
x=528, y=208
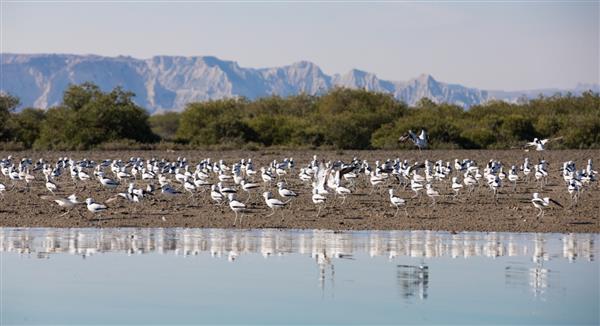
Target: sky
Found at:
x=507, y=45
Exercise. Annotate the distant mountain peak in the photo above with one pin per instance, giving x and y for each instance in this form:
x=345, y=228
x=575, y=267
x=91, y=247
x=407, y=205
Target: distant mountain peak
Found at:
x=425, y=78
x=162, y=83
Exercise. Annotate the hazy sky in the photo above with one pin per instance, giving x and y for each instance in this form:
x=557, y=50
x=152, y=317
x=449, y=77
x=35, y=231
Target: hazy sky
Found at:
x=493, y=45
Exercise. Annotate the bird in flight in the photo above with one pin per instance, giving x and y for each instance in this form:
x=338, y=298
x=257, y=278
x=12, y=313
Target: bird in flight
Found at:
x=419, y=141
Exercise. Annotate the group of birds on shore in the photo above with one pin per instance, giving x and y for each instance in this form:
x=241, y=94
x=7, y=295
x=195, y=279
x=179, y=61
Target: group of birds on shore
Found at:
x=328, y=181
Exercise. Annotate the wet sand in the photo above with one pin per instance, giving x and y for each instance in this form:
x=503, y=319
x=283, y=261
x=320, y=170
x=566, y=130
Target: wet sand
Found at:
x=362, y=210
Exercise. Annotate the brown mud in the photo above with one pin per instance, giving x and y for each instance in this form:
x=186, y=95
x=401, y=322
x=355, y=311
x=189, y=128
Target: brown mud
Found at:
x=23, y=207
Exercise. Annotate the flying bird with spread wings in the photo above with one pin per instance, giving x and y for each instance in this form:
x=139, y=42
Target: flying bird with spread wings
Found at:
x=419, y=141
x=540, y=144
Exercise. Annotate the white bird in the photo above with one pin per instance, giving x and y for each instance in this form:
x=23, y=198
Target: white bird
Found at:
x=526, y=169
x=189, y=186
x=225, y=190
x=248, y=187
x=67, y=203
x=167, y=190
x=94, y=207
x=284, y=192
x=237, y=207
x=51, y=186
x=416, y=187
x=343, y=192
x=318, y=200
x=265, y=175
x=432, y=193
x=397, y=202
x=495, y=183
x=540, y=144
x=456, y=186
x=542, y=203
x=82, y=175
x=107, y=182
x=470, y=182
x=376, y=181
x=216, y=195
x=419, y=141
x=513, y=177
x=574, y=189
x=273, y=203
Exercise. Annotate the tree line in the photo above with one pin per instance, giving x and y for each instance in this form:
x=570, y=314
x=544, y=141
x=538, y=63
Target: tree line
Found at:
x=89, y=118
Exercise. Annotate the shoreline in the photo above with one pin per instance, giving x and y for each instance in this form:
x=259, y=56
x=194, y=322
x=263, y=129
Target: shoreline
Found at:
x=251, y=229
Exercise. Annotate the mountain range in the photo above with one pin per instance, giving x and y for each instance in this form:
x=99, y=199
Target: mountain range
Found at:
x=167, y=83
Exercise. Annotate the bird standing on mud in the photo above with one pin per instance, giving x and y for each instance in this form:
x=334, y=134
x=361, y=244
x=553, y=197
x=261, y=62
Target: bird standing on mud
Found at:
x=273, y=203
x=397, y=202
x=542, y=203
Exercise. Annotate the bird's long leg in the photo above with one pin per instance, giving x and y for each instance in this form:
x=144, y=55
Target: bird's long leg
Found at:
x=540, y=213
x=272, y=212
x=405, y=211
x=241, y=219
x=343, y=200
x=235, y=220
x=319, y=210
x=65, y=213
x=396, y=213
x=282, y=217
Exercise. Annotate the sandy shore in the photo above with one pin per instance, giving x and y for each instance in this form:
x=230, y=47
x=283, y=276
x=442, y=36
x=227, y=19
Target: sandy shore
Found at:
x=361, y=211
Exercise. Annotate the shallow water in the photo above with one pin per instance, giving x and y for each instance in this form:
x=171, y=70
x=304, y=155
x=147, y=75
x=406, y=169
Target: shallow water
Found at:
x=142, y=276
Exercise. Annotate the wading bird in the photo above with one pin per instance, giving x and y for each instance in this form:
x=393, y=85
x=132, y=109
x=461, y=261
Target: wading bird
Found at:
x=542, y=203
x=397, y=202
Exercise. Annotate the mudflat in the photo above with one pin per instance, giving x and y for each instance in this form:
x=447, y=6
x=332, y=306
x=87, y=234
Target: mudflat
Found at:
x=364, y=209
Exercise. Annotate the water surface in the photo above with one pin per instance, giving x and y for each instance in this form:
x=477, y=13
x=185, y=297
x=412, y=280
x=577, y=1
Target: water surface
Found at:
x=169, y=276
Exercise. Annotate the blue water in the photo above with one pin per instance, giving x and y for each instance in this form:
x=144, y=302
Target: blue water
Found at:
x=173, y=276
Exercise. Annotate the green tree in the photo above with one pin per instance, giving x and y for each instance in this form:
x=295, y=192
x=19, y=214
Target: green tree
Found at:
x=215, y=122
x=165, y=125
x=8, y=103
x=89, y=117
x=25, y=125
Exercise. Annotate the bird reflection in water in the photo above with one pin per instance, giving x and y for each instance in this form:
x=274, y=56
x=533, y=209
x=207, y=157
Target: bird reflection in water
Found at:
x=413, y=281
x=325, y=263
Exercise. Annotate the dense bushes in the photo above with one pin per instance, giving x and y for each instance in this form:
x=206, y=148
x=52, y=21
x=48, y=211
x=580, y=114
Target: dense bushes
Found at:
x=342, y=118
x=88, y=117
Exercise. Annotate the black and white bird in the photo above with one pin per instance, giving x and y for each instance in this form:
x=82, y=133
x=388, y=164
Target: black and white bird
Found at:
x=419, y=141
x=248, y=187
x=540, y=144
x=216, y=195
x=318, y=200
x=542, y=203
x=273, y=203
x=94, y=207
x=285, y=193
x=50, y=185
x=456, y=186
x=397, y=202
x=237, y=207
x=66, y=203
x=432, y=193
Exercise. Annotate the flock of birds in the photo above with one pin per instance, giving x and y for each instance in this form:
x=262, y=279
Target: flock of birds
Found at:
x=330, y=181
x=421, y=141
